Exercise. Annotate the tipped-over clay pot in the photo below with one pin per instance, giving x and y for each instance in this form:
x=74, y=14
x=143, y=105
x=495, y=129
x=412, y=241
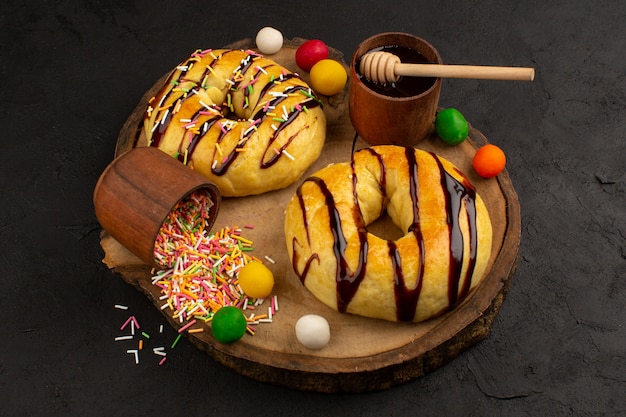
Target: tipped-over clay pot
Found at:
x=137, y=191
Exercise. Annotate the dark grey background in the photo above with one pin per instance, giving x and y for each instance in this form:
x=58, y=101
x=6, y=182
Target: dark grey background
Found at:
x=71, y=73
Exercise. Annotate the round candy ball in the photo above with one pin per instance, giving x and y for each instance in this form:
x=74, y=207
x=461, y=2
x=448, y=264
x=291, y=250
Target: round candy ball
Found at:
x=451, y=126
x=313, y=331
x=269, y=40
x=328, y=77
x=489, y=160
x=256, y=280
x=228, y=324
x=310, y=53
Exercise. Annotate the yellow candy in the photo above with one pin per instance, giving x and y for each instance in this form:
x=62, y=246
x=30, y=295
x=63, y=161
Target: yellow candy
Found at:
x=328, y=77
x=256, y=280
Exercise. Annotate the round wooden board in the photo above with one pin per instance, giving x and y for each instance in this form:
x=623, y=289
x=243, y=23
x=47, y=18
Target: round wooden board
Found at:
x=363, y=354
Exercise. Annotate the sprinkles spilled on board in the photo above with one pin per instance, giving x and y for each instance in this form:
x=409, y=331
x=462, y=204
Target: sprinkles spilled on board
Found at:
x=202, y=268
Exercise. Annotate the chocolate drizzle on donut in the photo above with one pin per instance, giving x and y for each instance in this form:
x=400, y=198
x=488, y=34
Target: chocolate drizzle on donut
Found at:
x=307, y=265
x=290, y=118
x=175, y=78
x=268, y=86
x=270, y=156
x=406, y=299
x=178, y=89
x=457, y=194
x=382, y=181
x=158, y=133
x=346, y=279
x=195, y=139
x=238, y=74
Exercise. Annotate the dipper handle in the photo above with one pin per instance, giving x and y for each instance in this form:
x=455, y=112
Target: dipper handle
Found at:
x=384, y=67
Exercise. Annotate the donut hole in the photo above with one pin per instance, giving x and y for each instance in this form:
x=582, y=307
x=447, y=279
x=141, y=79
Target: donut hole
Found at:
x=384, y=211
x=384, y=228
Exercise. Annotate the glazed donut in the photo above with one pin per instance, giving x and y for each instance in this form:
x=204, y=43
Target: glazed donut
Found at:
x=441, y=258
x=240, y=119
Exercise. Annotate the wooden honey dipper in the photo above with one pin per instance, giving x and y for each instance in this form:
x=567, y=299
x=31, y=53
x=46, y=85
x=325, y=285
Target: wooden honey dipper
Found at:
x=385, y=67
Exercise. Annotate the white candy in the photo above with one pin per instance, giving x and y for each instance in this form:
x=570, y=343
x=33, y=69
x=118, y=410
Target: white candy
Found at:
x=269, y=40
x=313, y=331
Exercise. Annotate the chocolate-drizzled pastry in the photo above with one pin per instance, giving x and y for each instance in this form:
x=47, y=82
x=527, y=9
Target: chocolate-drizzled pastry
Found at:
x=240, y=119
x=442, y=256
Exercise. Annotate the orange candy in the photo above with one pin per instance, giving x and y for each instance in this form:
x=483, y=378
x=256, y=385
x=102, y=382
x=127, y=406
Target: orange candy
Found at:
x=489, y=161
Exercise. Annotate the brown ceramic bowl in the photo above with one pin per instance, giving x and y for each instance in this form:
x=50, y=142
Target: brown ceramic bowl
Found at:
x=385, y=119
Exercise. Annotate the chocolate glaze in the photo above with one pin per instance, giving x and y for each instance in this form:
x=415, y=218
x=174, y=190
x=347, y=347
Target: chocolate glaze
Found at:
x=406, y=299
x=382, y=181
x=269, y=85
x=270, y=156
x=245, y=65
x=456, y=194
x=176, y=77
x=158, y=133
x=348, y=281
x=195, y=139
x=266, y=161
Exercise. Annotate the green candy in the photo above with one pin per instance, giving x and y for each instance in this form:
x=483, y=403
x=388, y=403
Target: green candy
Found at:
x=228, y=324
x=451, y=126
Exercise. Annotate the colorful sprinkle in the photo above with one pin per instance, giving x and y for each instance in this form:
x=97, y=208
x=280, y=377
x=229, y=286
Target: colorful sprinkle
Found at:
x=288, y=155
x=132, y=321
x=186, y=326
x=203, y=267
x=159, y=350
x=136, y=353
x=187, y=218
x=176, y=340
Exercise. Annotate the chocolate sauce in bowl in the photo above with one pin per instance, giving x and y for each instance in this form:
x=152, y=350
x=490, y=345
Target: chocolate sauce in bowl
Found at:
x=405, y=86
